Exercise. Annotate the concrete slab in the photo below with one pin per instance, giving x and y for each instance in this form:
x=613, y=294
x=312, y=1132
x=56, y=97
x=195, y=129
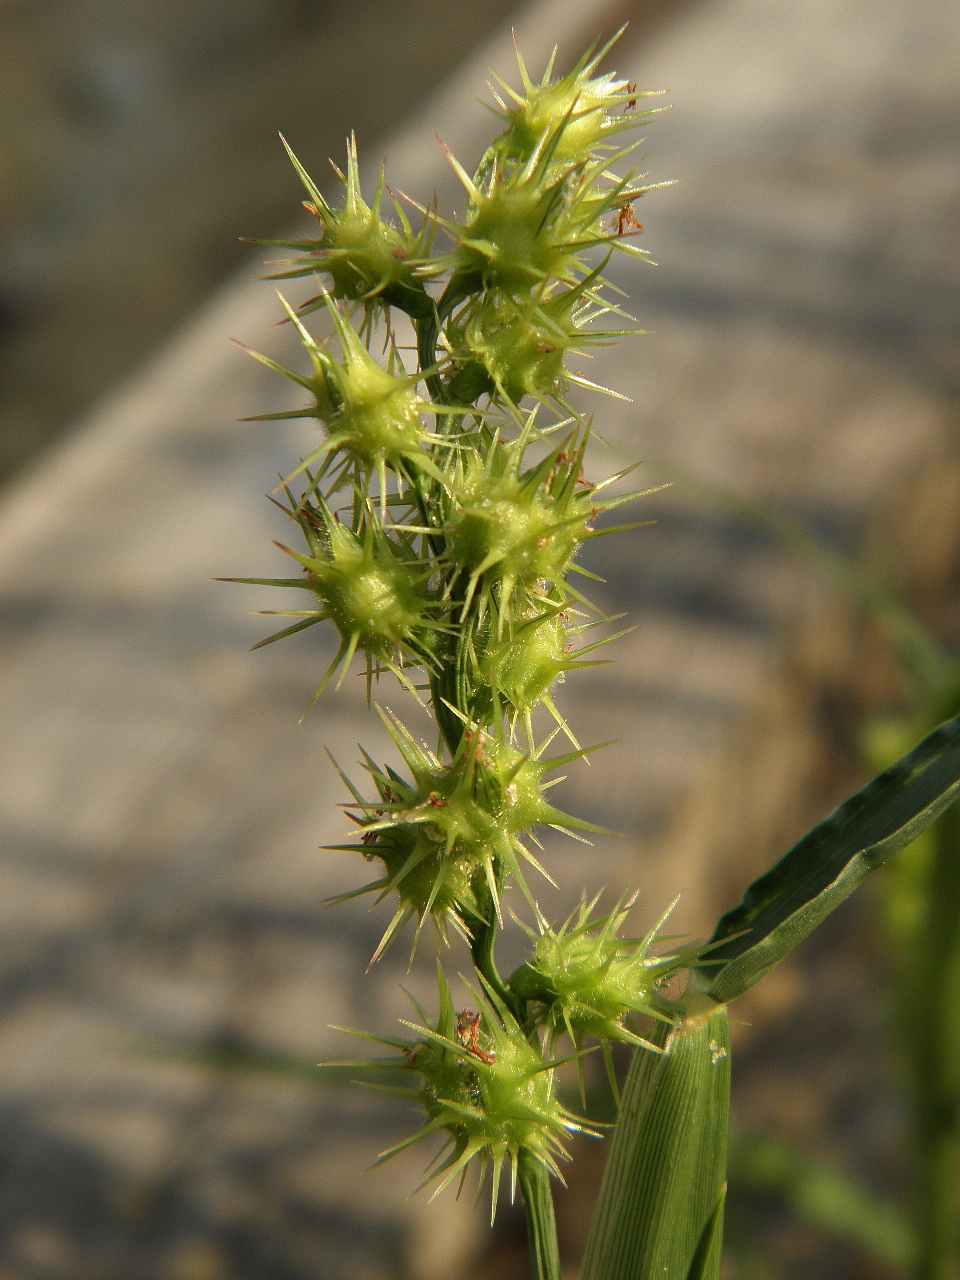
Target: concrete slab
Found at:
x=161, y=808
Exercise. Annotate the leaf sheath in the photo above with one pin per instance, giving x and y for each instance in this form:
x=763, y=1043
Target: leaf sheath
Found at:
x=659, y=1215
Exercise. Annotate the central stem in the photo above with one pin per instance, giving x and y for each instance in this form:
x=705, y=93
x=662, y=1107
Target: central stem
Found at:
x=541, y=1222
x=483, y=935
x=445, y=682
x=534, y=1178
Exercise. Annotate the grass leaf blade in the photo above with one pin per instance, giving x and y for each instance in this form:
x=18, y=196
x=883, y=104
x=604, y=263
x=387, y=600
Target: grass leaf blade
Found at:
x=706, y=1258
x=787, y=902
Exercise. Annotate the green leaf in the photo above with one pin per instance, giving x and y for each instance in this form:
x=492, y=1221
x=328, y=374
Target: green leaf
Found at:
x=706, y=1257
x=817, y=874
x=660, y=1211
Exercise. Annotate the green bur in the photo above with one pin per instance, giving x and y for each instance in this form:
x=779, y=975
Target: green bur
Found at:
x=486, y=1088
x=366, y=259
x=450, y=835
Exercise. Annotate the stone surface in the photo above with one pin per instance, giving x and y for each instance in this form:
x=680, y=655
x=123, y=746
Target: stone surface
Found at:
x=160, y=881
x=138, y=154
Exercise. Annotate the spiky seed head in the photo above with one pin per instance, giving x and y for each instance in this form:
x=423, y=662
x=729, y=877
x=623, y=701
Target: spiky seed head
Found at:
x=524, y=666
x=486, y=1088
x=446, y=836
x=373, y=415
x=487, y=544
x=498, y=529
x=449, y=836
x=367, y=587
x=518, y=349
x=365, y=257
x=517, y=236
x=527, y=227
x=512, y=348
x=513, y=530
x=429, y=880
x=378, y=416
x=580, y=112
x=545, y=188
x=373, y=599
x=592, y=982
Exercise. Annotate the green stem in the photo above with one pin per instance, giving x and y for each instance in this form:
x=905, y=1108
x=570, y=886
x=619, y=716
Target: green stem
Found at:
x=443, y=683
x=534, y=1179
x=933, y=998
x=428, y=331
x=451, y=683
x=483, y=932
x=541, y=1222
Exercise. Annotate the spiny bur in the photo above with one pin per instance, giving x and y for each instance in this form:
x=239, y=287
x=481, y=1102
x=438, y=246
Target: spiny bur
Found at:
x=442, y=512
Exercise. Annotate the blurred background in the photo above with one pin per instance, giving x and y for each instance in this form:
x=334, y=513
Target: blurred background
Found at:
x=168, y=974
x=138, y=144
